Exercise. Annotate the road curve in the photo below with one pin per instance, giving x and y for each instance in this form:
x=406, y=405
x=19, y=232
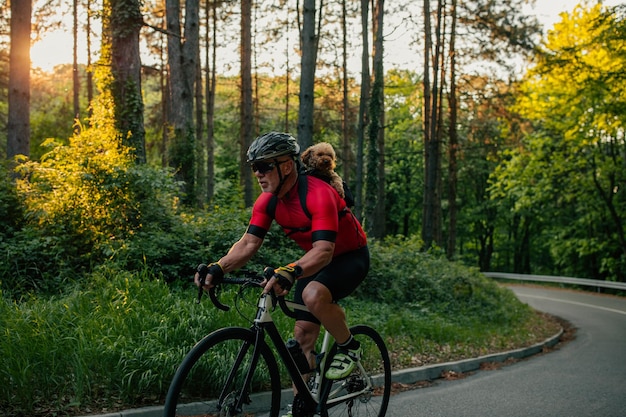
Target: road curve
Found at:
x=584, y=378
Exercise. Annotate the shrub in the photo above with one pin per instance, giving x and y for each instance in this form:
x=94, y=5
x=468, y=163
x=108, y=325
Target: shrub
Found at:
x=10, y=209
x=82, y=203
x=402, y=274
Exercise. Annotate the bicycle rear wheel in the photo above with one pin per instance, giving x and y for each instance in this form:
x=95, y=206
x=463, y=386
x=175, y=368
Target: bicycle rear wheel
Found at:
x=373, y=381
x=222, y=376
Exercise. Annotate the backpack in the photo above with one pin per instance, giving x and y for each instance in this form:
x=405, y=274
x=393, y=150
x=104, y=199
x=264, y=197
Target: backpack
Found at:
x=302, y=193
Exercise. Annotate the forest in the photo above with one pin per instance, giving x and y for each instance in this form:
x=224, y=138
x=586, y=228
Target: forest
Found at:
x=488, y=143
x=503, y=148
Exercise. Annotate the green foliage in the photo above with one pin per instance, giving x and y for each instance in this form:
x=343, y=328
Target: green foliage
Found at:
x=10, y=210
x=425, y=281
x=567, y=176
x=52, y=107
x=81, y=203
x=116, y=339
x=404, y=164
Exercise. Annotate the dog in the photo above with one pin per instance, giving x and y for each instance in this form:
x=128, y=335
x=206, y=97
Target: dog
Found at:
x=320, y=160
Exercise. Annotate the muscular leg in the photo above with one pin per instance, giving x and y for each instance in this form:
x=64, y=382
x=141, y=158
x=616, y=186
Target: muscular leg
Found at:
x=306, y=334
x=318, y=299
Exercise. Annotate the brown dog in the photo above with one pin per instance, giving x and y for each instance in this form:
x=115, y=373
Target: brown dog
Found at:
x=320, y=161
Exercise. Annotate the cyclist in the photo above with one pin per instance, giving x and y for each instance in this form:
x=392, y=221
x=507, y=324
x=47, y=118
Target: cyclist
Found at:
x=336, y=258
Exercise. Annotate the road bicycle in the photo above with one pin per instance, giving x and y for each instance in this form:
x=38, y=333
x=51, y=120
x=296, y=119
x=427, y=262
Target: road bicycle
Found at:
x=234, y=372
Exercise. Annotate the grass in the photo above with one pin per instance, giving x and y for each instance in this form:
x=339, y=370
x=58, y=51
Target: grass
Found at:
x=116, y=343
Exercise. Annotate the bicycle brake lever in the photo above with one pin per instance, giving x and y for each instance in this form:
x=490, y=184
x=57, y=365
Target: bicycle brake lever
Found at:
x=200, y=289
x=217, y=302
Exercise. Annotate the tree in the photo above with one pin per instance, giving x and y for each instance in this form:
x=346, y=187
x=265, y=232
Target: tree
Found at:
x=345, y=113
x=453, y=140
x=309, y=38
x=431, y=220
x=122, y=22
x=182, y=55
x=90, y=86
x=572, y=165
x=375, y=185
x=489, y=32
x=210, y=83
x=18, y=128
x=246, y=132
x=75, y=79
x=404, y=161
x=364, y=98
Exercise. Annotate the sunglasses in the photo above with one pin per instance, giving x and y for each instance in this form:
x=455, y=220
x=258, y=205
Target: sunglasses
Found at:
x=264, y=167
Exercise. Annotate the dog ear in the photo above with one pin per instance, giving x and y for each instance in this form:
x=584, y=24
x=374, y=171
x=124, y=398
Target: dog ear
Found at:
x=305, y=156
x=331, y=150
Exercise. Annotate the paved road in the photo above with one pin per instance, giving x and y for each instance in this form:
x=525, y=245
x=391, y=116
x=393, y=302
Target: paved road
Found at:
x=585, y=378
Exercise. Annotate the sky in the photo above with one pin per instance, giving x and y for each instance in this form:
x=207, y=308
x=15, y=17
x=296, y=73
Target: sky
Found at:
x=56, y=47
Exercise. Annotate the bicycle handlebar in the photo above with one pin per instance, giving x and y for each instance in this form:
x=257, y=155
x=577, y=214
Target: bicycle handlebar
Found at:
x=252, y=279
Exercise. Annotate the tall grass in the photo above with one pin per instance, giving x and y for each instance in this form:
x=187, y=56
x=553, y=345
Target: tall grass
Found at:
x=115, y=340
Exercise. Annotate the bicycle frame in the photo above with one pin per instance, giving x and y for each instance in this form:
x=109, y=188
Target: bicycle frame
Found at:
x=264, y=323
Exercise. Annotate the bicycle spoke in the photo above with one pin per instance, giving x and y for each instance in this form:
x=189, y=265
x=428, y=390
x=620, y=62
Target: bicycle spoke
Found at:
x=212, y=379
x=365, y=393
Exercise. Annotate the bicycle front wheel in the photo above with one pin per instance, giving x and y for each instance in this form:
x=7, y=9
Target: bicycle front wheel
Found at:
x=223, y=375
x=364, y=393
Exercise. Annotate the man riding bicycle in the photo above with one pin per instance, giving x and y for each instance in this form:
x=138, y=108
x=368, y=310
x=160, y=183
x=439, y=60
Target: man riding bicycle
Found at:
x=336, y=258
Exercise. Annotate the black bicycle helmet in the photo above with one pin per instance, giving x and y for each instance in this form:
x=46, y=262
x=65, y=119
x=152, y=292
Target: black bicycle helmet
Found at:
x=272, y=145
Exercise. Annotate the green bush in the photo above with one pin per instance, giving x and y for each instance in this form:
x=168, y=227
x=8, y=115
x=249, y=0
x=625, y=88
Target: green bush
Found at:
x=11, y=214
x=82, y=204
x=402, y=274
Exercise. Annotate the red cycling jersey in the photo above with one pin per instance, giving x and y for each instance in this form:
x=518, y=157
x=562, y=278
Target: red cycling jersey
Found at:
x=330, y=219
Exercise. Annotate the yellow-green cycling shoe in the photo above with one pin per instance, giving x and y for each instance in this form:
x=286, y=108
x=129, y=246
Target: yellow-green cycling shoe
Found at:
x=343, y=363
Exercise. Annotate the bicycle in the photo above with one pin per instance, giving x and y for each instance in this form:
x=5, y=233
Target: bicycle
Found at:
x=233, y=371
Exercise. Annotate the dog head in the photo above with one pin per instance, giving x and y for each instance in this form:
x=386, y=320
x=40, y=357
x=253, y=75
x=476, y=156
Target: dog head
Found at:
x=320, y=156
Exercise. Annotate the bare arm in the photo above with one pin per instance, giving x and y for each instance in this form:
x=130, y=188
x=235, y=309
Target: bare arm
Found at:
x=238, y=255
x=317, y=258
x=241, y=252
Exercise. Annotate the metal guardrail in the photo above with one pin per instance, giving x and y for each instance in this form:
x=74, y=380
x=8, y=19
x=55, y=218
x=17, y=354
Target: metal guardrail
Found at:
x=560, y=280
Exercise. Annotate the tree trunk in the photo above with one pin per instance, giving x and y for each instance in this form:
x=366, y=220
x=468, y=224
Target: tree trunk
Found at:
x=375, y=186
x=210, y=101
x=363, y=120
x=287, y=71
x=431, y=221
x=308, y=41
x=437, y=122
x=454, y=141
x=199, y=97
x=18, y=126
x=182, y=68
x=247, y=106
x=90, y=86
x=122, y=29
x=345, y=119
x=75, y=79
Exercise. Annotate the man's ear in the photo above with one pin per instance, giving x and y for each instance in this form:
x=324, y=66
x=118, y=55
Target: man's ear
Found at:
x=290, y=166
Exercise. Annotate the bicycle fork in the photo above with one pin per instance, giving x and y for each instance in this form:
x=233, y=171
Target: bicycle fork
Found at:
x=243, y=396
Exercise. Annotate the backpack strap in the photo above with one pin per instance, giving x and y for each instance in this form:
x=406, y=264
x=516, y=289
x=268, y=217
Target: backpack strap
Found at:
x=303, y=188
x=270, y=209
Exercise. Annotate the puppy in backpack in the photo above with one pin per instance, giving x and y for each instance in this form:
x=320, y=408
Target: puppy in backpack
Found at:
x=320, y=160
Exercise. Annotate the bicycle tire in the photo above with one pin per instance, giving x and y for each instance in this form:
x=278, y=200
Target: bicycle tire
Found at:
x=375, y=361
x=201, y=385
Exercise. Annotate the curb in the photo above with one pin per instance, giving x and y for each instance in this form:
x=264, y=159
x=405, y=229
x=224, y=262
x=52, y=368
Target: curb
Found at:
x=431, y=372
x=405, y=376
